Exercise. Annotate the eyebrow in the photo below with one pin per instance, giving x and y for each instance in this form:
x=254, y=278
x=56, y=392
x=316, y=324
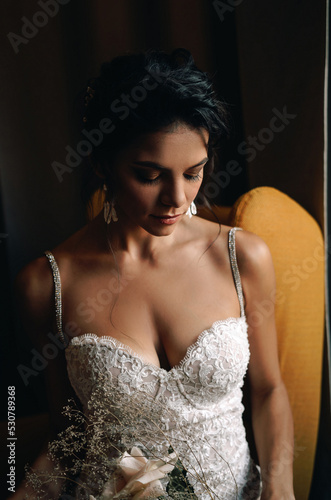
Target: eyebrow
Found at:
x=157, y=166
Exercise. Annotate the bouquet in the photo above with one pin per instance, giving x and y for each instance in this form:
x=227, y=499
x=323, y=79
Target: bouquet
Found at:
x=109, y=451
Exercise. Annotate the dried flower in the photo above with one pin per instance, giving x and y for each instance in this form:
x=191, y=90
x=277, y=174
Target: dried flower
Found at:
x=91, y=459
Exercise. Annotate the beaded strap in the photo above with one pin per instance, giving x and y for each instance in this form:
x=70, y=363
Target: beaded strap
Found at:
x=58, y=302
x=234, y=267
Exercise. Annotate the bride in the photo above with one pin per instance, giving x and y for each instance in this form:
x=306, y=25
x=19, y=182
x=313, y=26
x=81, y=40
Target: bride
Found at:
x=153, y=303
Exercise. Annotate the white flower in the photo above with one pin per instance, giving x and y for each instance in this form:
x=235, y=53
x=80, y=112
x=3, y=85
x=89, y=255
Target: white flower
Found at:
x=140, y=476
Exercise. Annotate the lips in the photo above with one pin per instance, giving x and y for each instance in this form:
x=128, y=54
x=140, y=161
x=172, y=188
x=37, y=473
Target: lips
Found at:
x=166, y=219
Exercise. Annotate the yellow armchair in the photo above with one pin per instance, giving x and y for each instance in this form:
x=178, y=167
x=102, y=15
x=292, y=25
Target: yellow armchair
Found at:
x=297, y=248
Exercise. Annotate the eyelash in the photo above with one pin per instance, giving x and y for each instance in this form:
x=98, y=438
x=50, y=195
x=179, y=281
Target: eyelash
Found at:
x=145, y=180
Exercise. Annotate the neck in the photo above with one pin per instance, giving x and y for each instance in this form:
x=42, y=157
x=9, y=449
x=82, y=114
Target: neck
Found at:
x=130, y=240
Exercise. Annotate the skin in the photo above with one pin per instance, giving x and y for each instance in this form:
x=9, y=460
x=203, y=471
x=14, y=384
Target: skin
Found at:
x=160, y=264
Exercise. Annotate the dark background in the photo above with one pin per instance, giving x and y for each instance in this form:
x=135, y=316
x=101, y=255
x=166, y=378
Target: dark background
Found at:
x=262, y=56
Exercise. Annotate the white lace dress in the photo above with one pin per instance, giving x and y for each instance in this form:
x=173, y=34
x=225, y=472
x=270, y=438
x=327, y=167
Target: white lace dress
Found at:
x=197, y=403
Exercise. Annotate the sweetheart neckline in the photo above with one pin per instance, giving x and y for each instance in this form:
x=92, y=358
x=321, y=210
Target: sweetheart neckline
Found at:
x=133, y=354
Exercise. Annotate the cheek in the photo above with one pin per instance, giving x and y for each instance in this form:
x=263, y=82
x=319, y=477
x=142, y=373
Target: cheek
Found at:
x=193, y=189
x=137, y=196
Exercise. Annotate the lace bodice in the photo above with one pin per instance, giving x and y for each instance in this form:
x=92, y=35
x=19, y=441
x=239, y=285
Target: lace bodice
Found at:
x=197, y=404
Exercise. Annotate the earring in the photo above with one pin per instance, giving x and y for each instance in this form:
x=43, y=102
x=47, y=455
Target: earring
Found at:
x=109, y=211
x=192, y=210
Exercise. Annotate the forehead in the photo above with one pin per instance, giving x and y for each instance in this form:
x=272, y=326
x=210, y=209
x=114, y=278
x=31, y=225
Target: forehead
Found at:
x=170, y=145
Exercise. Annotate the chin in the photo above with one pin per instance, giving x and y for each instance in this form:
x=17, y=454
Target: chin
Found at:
x=161, y=231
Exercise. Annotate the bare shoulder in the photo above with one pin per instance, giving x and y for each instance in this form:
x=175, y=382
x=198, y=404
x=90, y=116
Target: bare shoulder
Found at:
x=256, y=268
x=34, y=295
x=34, y=292
x=33, y=285
x=34, y=281
x=253, y=253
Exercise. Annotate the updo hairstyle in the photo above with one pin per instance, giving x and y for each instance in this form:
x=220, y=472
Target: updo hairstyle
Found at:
x=143, y=93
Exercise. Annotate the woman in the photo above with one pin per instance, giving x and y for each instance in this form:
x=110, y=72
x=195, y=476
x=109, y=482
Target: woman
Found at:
x=154, y=304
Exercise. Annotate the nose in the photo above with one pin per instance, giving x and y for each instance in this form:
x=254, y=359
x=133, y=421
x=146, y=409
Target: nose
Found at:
x=173, y=194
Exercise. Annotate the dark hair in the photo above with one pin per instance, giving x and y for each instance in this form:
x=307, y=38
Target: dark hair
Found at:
x=142, y=93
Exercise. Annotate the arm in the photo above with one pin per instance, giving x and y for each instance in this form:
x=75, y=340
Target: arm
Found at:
x=271, y=412
x=34, y=294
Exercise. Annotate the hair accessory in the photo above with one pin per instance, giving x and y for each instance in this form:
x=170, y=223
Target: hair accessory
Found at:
x=192, y=210
x=109, y=211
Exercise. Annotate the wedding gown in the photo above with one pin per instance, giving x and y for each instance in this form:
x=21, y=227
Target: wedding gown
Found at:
x=195, y=407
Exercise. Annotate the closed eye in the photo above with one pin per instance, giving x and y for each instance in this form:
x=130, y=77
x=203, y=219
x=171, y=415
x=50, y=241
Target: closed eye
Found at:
x=146, y=175
x=155, y=180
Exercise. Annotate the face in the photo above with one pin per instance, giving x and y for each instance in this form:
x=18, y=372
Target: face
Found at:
x=159, y=176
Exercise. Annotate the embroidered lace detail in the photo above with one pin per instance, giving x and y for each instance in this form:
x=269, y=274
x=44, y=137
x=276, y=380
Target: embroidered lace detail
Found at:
x=92, y=338
x=203, y=392
x=112, y=341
